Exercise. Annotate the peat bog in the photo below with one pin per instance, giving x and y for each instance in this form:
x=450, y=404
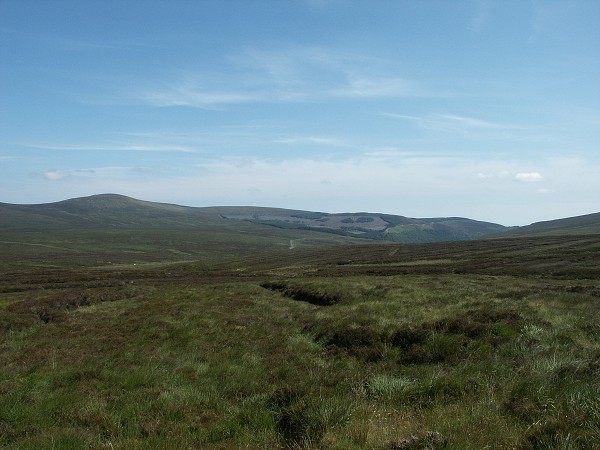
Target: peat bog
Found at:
x=476, y=344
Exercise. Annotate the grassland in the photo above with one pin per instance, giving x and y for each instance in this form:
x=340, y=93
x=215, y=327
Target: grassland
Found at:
x=246, y=343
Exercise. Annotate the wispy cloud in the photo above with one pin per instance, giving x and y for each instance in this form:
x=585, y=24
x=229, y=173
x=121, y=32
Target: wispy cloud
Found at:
x=112, y=148
x=313, y=140
x=372, y=87
x=291, y=74
x=187, y=93
x=471, y=122
x=449, y=122
x=55, y=175
x=529, y=177
x=101, y=173
x=492, y=175
x=526, y=177
x=231, y=137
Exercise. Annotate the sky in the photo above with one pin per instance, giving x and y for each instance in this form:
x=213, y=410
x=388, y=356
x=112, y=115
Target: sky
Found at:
x=481, y=109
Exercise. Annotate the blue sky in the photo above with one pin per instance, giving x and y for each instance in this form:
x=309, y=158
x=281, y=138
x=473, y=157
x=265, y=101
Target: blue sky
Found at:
x=481, y=109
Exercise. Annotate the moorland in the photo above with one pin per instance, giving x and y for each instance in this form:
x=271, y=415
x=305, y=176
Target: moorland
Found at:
x=136, y=325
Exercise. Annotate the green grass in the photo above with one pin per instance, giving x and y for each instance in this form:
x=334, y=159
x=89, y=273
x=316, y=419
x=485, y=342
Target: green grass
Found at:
x=106, y=247
x=481, y=344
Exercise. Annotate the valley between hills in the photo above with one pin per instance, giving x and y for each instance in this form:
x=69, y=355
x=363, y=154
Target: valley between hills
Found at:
x=133, y=324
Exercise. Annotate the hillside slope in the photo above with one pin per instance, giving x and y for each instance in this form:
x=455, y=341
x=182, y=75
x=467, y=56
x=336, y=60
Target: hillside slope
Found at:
x=579, y=225
x=109, y=230
x=119, y=212
x=97, y=211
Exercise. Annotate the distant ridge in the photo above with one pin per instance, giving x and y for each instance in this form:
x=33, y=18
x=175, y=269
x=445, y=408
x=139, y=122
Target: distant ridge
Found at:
x=116, y=211
x=97, y=211
x=120, y=212
x=578, y=225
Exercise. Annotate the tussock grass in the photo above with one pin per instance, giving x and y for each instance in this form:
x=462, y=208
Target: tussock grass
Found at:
x=183, y=358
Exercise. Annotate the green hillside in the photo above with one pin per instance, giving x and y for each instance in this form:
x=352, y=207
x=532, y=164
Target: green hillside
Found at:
x=110, y=230
x=98, y=211
x=579, y=225
x=120, y=212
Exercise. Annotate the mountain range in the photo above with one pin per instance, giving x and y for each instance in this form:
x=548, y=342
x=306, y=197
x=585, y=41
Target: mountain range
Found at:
x=115, y=211
x=120, y=212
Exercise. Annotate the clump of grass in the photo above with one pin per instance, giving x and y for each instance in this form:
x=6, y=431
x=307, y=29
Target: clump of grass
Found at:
x=297, y=419
x=438, y=348
x=408, y=337
x=532, y=332
x=382, y=385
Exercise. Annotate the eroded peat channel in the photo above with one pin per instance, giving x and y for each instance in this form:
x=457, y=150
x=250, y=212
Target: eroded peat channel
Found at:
x=303, y=294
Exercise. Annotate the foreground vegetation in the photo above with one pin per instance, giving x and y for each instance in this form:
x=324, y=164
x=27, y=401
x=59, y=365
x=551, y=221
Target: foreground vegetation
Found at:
x=488, y=344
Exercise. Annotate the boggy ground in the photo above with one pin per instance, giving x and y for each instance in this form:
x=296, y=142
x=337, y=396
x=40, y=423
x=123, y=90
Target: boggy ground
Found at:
x=469, y=345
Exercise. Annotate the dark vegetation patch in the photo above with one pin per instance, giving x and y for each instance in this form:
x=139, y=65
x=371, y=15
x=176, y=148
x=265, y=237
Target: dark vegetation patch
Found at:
x=443, y=341
x=524, y=402
x=296, y=418
x=550, y=434
x=303, y=294
x=363, y=342
x=584, y=371
x=309, y=216
x=52, y=308
x=491, y=324
x=594, y=291
x=361, y=219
